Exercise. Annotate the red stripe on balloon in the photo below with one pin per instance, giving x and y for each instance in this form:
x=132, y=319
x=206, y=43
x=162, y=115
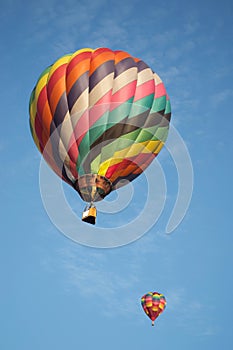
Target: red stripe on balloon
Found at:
x=57, y=74
x=160, y=90
x=144, y=90
x=125, y=93
x=77, y=59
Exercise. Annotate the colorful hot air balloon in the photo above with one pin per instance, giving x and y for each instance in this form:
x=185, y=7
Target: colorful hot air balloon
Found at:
x=153, y=304
x=99, y=117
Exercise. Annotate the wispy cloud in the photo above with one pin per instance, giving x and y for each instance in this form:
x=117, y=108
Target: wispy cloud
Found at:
x=191, y=314
x=89, y=272
x=71, y=25
x=221, y=97
x=117, y=285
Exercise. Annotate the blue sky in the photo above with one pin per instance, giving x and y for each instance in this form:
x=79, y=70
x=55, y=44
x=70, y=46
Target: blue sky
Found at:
x=56, y=293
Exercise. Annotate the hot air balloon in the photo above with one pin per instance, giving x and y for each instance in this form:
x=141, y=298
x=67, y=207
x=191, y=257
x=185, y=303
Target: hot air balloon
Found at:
x=153, y=304
x=99, y=117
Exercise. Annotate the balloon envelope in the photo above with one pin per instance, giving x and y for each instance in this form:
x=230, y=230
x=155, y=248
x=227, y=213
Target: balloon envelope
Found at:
x=99, y=117
x=153, y=303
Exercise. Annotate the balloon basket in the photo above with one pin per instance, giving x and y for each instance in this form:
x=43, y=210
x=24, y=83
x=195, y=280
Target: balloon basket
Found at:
x=89, y=215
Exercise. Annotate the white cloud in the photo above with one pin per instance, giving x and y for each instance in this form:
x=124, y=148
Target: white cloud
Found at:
x=221, y=97
x=117, y=285
x=88, y=272
x=73, y=25
x=192, y=315
x=192, y=25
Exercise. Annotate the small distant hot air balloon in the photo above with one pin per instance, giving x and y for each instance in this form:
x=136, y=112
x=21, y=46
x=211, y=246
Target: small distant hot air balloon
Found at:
x=153, y=304
x=99, y=117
